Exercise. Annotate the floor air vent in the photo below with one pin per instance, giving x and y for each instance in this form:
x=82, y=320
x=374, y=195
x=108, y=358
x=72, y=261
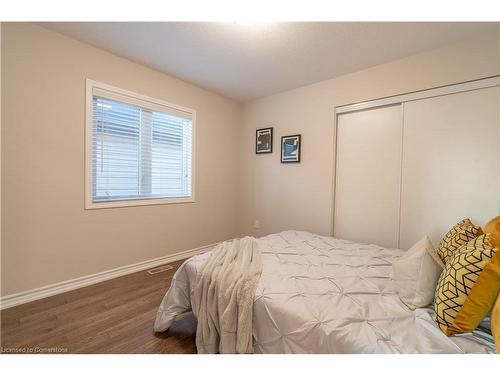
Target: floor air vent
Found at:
x=154, y=271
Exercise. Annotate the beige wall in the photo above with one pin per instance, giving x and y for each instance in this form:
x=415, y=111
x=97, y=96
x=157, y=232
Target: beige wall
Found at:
x=0, y=154
x=47, y=235
x=299, y=196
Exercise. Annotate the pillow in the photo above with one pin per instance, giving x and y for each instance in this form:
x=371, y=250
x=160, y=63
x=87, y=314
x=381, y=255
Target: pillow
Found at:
x=461, y=233
x=469, y=285
x=493, y=226
x=416, y=274
x=485, y=325
x=495, y=323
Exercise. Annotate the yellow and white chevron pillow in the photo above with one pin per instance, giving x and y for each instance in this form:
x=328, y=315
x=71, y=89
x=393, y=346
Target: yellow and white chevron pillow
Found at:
x=461, y=233
x=468, y=286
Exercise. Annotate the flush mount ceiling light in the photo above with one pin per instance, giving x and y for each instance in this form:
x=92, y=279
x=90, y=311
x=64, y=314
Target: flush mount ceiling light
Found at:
x=250, y=22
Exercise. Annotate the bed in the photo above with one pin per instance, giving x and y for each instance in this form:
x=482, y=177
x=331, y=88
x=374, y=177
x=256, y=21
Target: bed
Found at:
x=321, y=294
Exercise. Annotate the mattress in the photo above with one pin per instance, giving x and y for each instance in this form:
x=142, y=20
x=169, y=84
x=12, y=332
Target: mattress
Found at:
x=321, y=294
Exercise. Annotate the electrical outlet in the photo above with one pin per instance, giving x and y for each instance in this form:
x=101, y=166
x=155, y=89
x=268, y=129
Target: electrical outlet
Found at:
x=256, y=224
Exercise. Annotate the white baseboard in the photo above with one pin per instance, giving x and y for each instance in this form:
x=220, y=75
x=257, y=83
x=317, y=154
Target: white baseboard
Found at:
x=65, y=286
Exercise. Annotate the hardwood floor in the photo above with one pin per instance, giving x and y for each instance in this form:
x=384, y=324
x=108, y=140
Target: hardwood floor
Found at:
x=114, y=316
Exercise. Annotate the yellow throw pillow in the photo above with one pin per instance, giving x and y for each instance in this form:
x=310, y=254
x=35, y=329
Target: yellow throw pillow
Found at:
x=495, y=323
x=461, y=233
x=468, y=287
x=493, y=226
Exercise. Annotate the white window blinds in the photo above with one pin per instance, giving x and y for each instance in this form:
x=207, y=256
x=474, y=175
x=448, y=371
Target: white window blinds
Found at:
x=139, y=149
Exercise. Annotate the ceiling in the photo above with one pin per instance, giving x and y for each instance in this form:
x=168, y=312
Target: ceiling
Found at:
x=245, y=62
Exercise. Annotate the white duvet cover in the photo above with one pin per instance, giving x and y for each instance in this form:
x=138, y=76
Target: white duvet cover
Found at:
x=325, y=295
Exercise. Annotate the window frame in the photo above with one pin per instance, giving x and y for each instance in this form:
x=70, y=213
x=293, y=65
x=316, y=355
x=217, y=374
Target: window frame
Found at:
x=90, y=204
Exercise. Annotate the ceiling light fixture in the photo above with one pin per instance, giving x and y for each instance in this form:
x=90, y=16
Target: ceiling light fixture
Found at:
x=250, y=22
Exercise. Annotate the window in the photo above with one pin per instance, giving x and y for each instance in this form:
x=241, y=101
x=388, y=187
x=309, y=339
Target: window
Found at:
x=139, y=150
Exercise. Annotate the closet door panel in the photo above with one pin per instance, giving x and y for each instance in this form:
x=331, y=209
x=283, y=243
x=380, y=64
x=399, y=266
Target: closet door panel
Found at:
x=368, y=173
x=450, y=163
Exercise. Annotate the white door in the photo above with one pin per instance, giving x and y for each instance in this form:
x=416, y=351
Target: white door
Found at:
x=450, y=163
x=368, y=176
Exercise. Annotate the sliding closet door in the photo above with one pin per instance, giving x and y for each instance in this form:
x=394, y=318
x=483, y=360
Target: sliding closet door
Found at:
x=450, y=163
x=368, y=174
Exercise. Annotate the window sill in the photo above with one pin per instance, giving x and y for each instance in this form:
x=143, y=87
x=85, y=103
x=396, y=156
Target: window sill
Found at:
x=136, y=202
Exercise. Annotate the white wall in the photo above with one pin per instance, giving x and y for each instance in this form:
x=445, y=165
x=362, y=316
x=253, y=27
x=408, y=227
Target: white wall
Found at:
x=47, y=235
x=299, y=196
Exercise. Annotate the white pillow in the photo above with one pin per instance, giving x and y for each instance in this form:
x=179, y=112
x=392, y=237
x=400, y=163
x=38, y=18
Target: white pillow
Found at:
x=416, y=274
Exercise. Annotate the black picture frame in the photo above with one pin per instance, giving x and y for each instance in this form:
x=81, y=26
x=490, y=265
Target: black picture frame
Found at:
x=285, y=159
x=263, y=132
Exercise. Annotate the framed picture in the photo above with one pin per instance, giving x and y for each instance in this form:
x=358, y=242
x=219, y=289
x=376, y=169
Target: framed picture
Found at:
x=264, y=141
x=290, y=149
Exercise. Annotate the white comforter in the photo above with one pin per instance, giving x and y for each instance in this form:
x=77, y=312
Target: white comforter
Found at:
x=324, y=295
